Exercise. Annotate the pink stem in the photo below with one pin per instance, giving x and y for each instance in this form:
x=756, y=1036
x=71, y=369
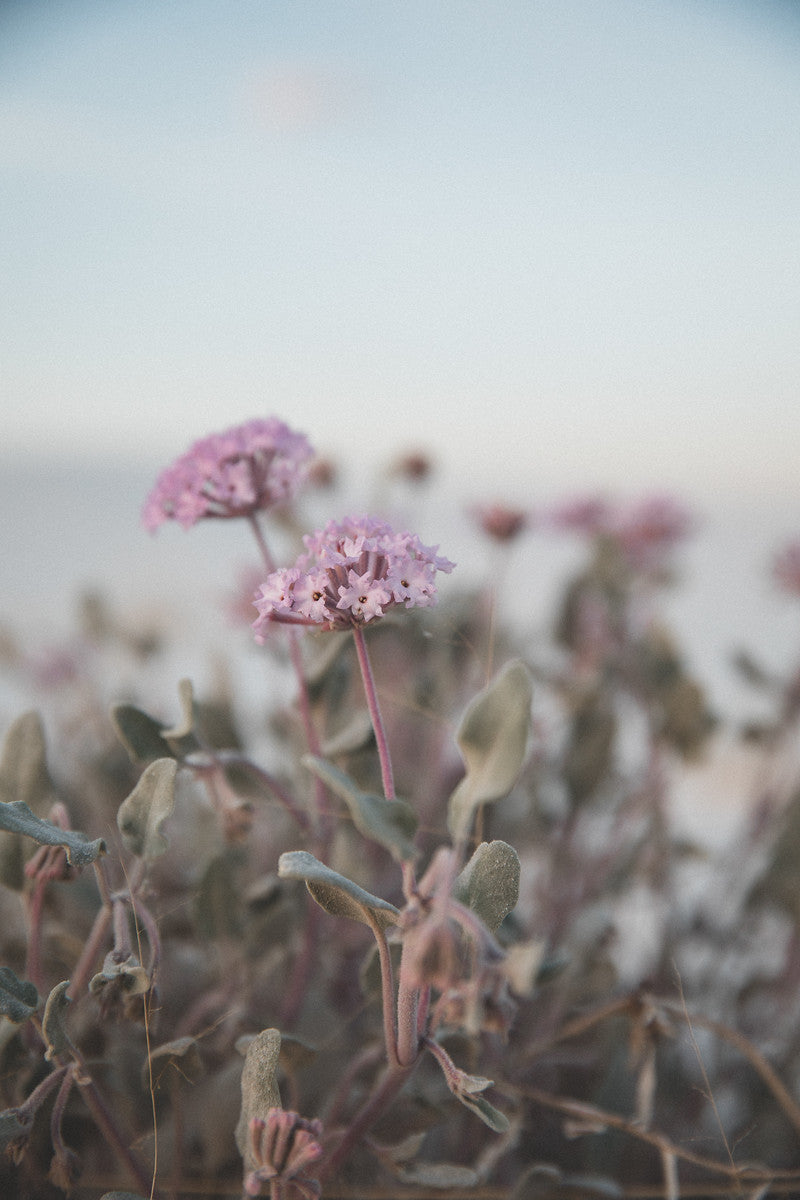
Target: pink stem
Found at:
x=375, y=713
x=312, y=738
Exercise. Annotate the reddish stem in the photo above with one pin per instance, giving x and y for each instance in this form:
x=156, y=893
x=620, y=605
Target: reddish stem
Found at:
x=375, y=713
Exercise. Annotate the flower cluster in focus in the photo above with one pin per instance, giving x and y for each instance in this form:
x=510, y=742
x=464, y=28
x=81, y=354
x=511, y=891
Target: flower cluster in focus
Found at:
x=352, y=572
x=232, y=474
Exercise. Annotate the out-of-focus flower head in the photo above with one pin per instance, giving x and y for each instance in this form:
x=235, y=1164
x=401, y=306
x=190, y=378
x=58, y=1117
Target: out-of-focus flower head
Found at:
x=415, y=466
x=650, y=528
x=232, y=474
x=284, y=1146
x=644, y=530
x=353, y=571
x=584, y=514
x=786, y=568
x=501, y=522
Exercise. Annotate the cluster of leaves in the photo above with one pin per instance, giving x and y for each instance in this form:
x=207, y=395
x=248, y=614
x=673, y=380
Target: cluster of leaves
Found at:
x=192, y=940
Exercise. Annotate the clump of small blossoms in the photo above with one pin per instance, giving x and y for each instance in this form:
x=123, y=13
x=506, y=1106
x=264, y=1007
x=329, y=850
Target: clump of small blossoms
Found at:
x=645, y=531
x=352, y=572
x=232, y=474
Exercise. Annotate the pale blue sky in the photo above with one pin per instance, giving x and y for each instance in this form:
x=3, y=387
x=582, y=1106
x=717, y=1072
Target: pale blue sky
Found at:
x=559, y=242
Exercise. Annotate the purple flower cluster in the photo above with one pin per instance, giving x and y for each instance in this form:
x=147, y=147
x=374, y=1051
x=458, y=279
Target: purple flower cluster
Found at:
x=232, y=474
x=645, y=531
x=352, y=572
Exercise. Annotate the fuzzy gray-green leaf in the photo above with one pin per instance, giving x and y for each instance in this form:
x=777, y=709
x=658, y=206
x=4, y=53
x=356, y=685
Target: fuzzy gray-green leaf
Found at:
x=487, y=1112
x=390, y=823
x=140, y=734
x=147, y=739
x=18, y=999
x=492, y=738
x=334, y=892
x=259, y=1087
x=142, y=814
x=23, y=777
x=18, y=818
x=489, y=883
x=23, y=766
x=439, y=1175
x=53, y=1022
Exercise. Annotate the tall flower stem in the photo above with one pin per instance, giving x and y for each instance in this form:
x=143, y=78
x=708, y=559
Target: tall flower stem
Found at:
x=312, y=737
x=375, y=713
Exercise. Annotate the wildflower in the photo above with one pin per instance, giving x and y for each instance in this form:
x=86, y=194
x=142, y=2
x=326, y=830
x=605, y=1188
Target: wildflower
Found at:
x=283, y=1146
x=647, y=530
x=353, y=571
x=786, y=568
x=501, y=522
x=232, y=474
x=415, y=466
x=584, y=514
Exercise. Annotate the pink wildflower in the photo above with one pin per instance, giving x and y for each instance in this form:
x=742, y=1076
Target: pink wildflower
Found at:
x=501, y=522
x=353, y=571
x=584, y=514
x=283, y=1147
x=646, y=530
x=786, y=568
x=232, y=474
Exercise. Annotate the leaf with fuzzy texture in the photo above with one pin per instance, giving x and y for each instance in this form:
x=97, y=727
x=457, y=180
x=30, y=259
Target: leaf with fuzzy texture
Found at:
x=492, y=738
x=259, y=1087
x=18, y=999
x=390, y=823
x=439, y=1175
x=147, y=739
x=23, y=778
x=334, y=892
x=53, y=1022
x=18, y=818
x=489, y=883
x=142, y=814
x=487, y=1112
x=15, y=1132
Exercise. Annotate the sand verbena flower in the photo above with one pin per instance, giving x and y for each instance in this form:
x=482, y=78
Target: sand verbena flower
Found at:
x=352, y=572
x=237, y=473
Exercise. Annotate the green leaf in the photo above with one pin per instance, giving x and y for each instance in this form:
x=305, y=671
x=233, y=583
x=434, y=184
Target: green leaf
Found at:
x=218, y=902
x=487, y=1112
x=53, y=1022
x=168, y=1053
x=18, y=999
x=18, y=818
x=15, y=1131
x=335, y=893
x=439, y=1175
x=390, y=823
x=23, y=777
x=259, y=1087
x=492, y=738
x=23, y=766
x=140, y=734
x=147, y=739
x=489, y=883
x=142, y=814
